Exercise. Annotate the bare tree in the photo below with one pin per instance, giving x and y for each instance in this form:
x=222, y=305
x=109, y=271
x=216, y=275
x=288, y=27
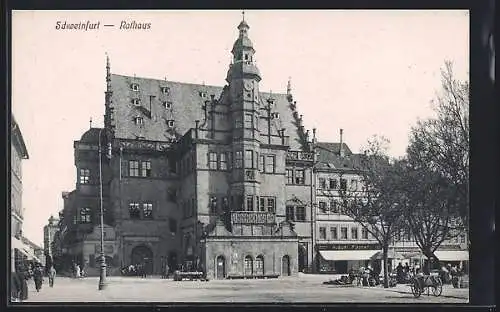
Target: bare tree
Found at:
x=376, y=207
x=429, y=207
x=441, y=144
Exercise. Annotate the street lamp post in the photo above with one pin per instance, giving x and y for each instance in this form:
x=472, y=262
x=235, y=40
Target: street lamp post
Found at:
x=102, y=275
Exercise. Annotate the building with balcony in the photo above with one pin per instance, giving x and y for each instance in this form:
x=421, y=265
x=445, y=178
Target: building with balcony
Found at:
x=207, y=177
x=18, y=153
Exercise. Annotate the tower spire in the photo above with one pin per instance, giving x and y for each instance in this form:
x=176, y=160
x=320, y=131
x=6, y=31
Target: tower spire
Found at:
x=243, y=15
x=90, y=122
x=289, y=86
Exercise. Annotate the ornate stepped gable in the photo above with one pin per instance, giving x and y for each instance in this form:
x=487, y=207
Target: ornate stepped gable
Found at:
x=185, y=102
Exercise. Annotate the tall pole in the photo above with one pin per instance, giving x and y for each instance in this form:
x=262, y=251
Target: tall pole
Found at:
x=102, y=275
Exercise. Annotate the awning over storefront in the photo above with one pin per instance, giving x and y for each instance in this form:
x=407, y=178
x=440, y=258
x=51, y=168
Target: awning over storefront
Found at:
x=337, y=255
x=391, y=254
x=452, y=255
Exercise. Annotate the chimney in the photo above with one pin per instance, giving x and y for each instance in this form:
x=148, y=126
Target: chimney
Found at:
x=341, y=149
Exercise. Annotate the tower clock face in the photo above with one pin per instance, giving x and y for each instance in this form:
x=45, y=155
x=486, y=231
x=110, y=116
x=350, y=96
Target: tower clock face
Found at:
x=248, y=85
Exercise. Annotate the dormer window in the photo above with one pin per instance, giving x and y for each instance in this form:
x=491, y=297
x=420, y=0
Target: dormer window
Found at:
x=167, y=104
x=165, y=90
x=140, y=137
x=138, y=120
x=170, y=123
x=275, y=115
x=134, y=87
x=203, y=94
x=136, y=102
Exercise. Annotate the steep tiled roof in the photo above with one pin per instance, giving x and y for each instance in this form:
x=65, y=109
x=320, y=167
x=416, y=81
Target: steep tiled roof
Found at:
x=186, y=101
x=334, y=147
x=329, y=158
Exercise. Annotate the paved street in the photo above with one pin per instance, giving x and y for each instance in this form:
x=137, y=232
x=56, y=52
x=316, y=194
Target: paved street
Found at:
x=305, y=288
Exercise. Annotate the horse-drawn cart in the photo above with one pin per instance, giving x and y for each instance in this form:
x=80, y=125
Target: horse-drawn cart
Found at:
x=419, y=283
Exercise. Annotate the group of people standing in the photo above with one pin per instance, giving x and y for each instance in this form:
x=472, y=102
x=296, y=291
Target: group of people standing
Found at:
x=19, y=280
x=78, y=271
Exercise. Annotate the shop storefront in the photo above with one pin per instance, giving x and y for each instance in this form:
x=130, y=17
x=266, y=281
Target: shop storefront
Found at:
x=341, y=258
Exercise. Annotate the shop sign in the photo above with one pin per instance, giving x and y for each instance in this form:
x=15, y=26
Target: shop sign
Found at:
x=347, y=246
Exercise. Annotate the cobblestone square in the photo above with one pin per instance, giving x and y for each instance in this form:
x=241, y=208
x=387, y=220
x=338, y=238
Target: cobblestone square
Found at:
x=301, y=289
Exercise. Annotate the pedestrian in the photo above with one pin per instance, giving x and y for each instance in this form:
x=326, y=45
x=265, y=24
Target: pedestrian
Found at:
x=15, y=287
x=162, y=263
x=22, y=276
x=167, y=270
x=52, y=276
x=77, y=271
x=38, y=277
x=399, y=273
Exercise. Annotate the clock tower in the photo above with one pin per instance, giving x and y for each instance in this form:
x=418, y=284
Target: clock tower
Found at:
x=243, y=78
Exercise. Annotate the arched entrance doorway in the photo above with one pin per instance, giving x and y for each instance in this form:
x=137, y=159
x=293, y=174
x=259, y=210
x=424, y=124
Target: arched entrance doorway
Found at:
x=259, y=265
x=285, y=266
x=143, y=255
x=220, y=267
x=302, y=258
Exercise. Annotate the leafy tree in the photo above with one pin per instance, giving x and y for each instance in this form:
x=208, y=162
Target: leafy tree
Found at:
x=376, y=206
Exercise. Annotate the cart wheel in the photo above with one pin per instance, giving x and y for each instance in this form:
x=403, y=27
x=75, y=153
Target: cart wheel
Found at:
x=415, y=289
x=437, y=289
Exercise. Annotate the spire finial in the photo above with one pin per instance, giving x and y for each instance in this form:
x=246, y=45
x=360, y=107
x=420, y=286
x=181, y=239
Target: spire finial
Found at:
x=289, y=86
x=108, y=73
x=90, y=122
x=243, y=14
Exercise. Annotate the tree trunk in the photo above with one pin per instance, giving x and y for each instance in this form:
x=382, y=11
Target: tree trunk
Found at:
x=385, y=250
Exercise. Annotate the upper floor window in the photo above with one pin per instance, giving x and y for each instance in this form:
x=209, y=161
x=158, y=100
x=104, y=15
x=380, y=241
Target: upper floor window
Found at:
x=354, y=233
x=289, y=176
x=262, y=205
x=334, y=206
x=271, y=204
x=322, y=206
x=167, y=104
x=364, y=233
x=322, y=233
x=165, y=90
x=333, y=233
x=238, y=159
x=289, y=213
x=238, y=122
x=134, y=87
x=333, y=184
x=138, y=120
x=147, y=210
x=300, y=213
x=249, y=121
x=354, y=184
x=145, y=168
x=134, y=211
x=136, y=102
x=343, y=184
x=299, y=176
x=322, y=183
x=212, y=161
x=223, y=161
x=261, y=163
x=85, y=215
x=84, y=176
x=250, y=203
x=133, y=168
x=270, y=165
x=248, y=159
x=343, y=232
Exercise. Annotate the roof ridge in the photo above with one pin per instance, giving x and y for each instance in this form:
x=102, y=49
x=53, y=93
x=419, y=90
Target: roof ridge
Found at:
x=189, y=83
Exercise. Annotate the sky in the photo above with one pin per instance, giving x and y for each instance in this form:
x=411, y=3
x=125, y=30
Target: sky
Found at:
x=367, y=72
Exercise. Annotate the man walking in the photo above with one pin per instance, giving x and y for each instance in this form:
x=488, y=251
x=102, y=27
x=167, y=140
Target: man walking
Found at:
x=38, y=277
x=52, y=275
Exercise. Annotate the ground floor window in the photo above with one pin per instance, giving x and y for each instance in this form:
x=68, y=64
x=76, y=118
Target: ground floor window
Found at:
x=248, y=265
x=259, y=265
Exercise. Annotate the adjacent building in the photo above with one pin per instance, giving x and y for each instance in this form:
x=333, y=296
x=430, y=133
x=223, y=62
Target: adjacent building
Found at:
x=18, y=153
x=49, y=232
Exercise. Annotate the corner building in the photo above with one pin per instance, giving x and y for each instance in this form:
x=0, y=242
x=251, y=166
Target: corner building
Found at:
x=198, y=175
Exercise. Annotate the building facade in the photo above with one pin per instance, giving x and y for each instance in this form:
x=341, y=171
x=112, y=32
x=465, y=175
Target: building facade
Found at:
x=18, y=153
x=197, y=175
x=221, y=179
x=49, y=232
